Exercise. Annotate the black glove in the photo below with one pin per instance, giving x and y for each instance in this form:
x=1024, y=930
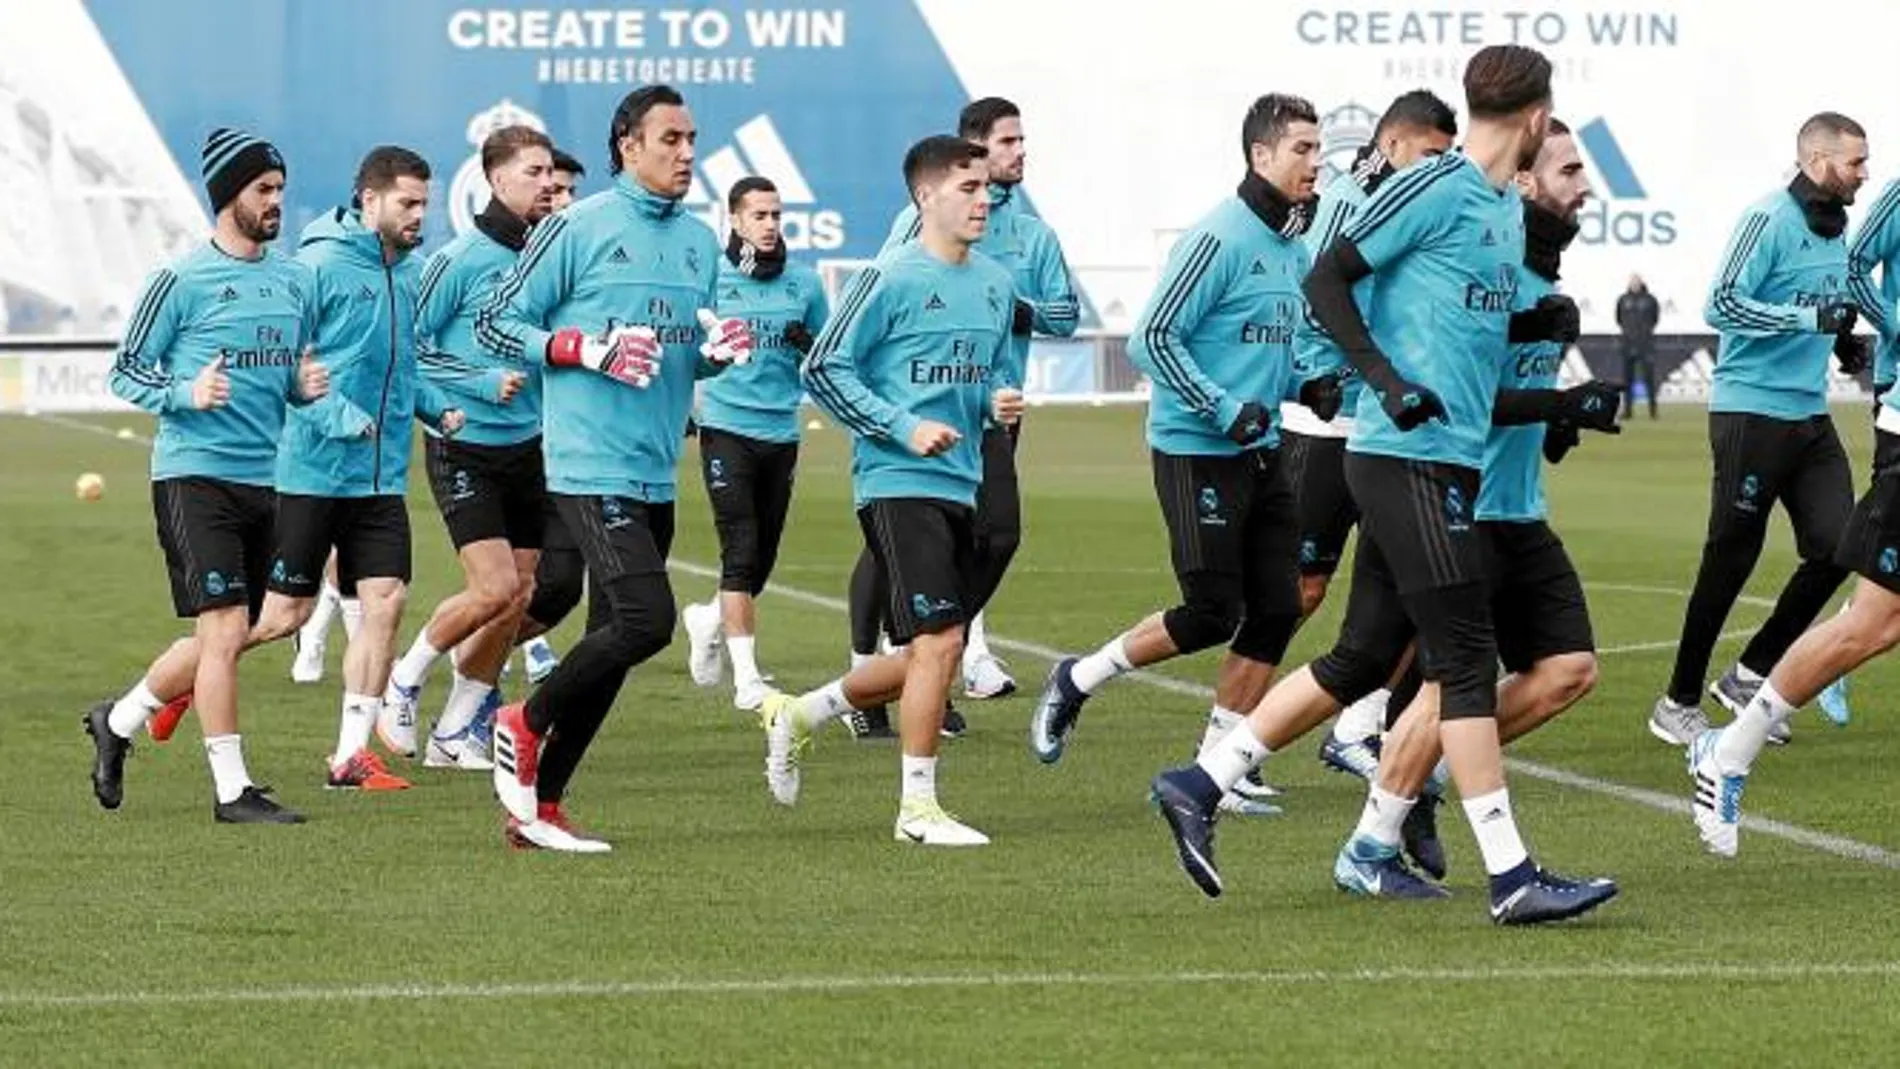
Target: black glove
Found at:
x=1836, y=317
x=1409, y=406
x=1559, y=439
x=1853, y=351
x=1023, y=319
x=1591, y=405
x=1251, y=425
x=1323, y=396
x=1553, y=318
x=798, y=336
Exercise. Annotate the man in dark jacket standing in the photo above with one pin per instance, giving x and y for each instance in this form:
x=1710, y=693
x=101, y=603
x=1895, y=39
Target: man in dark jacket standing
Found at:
x=1636, y=315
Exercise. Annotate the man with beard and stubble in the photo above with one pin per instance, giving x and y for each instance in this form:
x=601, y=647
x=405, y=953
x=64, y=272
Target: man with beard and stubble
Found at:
x=487, y=481
x=217, y=348
x=1782, y=304
x=1216, y=339
x=1543, y=623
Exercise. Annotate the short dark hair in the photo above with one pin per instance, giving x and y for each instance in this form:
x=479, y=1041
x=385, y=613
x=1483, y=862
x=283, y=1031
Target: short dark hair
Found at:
x=501, y=147
x=1502, y=80
x=1558, y=127
x=935, y=156
x=386, y=163
x=979, y=117
x=631, y=113
x=751, y=183
x=1420, y=109
x=1831, y=123
x=1268, y=118
x=565, y=162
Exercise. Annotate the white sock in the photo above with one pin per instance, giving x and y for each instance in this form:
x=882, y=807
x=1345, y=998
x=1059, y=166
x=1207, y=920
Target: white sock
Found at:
x=1101, y=666
x=352, y=609
x=1490, y=816
x=858, y=659
x=920, y=779
x=1233, y=756
x=130, y=713
x=413, y=668
x=1219, y=722
x=1746, y=674
x=465, y=700
x=227, y=766
x=743, y=649
x=976, y=641
x=824, y=704
x=1383, y=816
x=1740, y=741
x=359, y=718
x=317, y=629
x=1362, y=719
x=1441, y=775
x=538, y=649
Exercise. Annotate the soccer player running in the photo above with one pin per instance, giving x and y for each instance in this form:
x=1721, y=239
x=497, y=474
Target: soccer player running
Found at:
x=1415, y=126
x=1542, y=622
x=612, y=294
x=1781, y=304
x=748, y=433
x=1216, y=339
x=1875, y=247
x=1045, y=303
x=487, y=481
x=1443, y=246
x=216, y=348
x=343, y=468
x=911, y=365
x=561, y=575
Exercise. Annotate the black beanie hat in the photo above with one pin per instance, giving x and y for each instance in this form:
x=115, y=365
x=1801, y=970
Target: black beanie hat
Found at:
x=232, y=160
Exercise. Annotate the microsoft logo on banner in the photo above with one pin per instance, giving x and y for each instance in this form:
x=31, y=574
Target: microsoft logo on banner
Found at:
x=758, y=149
x=1606, y=220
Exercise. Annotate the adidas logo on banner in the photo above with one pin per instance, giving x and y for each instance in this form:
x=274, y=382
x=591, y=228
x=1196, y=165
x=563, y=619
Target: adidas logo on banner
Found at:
x=619, y=256
x=1575, y=370
x=934, y=304
x=1691, y=380
x=758, y=149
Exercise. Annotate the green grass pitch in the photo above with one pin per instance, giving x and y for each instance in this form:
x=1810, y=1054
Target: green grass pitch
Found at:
x=723, y=930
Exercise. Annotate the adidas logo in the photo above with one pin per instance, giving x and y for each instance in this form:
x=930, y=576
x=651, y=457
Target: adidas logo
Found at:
x=1258, y=268
x=619, y=256
x=1489, y=237
x=758, y=149
x=366, y=294
x=934, y=304
x=1691, y=380
x=732, y=294
x=227, y=296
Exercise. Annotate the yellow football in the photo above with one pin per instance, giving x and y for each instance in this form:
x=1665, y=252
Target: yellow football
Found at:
x=90, y=487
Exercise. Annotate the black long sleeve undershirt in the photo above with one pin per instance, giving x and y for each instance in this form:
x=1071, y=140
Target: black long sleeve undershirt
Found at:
x=1328, y=289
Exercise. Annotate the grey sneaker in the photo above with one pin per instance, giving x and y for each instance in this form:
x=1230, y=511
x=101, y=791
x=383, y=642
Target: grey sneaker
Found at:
x=1735, y=693
x=1675, y=724
x=1732, y=692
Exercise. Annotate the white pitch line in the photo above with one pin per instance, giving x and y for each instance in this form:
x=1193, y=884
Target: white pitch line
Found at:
x=90, y=428
x=1766, y=972
x=1839, y=846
